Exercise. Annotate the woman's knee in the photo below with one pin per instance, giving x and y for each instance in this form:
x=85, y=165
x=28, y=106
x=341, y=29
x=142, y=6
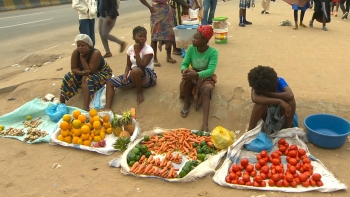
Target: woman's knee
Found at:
x=206, y=92
x=137, y=72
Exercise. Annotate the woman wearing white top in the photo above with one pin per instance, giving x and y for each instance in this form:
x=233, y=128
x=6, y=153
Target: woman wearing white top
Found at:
x=139, y=70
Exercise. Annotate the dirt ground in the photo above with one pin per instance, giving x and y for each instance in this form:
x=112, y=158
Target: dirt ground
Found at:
x=312, y=61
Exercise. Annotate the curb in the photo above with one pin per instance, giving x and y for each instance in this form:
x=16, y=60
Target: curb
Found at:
x=6, y=5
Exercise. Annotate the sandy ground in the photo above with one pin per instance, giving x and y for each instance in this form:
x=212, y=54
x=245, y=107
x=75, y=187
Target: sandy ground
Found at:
x=312, y=61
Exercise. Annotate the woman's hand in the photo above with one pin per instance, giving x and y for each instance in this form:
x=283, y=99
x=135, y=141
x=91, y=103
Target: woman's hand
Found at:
x=152, y=10
x=287, y=108
x=85, y=72
x=125, y=80
x=189, y=74
x=137, y=48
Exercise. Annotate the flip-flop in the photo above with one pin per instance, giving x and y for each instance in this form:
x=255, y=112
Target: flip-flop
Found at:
x=177, y=53
x=122, y=47
x=107, y=55
x=184, y=113
x=171, y=61
x=156, y=64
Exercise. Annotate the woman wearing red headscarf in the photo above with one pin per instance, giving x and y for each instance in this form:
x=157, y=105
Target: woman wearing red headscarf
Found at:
x=198, y=80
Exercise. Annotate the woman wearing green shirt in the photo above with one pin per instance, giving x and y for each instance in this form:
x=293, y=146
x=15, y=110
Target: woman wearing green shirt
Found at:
x=198, y=78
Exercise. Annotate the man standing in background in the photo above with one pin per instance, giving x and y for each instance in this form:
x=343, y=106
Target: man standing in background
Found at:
x=86, y=10
x=208, y=15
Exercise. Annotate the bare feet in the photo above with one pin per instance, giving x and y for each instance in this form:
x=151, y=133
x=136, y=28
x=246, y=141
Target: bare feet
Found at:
x=185, y=109
x=205, y=127
x=140, y=97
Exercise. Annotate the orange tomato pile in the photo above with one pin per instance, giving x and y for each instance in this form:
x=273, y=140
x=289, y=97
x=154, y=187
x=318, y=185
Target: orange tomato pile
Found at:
x=269, y=169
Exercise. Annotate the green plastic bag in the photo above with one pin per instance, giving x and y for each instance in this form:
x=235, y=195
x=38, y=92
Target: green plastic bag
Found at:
x=222, y=138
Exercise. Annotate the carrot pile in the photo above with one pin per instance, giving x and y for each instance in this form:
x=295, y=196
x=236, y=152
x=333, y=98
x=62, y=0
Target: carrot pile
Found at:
x=177, y=140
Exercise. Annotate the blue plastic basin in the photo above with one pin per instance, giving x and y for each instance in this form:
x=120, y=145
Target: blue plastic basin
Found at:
x=327, y=130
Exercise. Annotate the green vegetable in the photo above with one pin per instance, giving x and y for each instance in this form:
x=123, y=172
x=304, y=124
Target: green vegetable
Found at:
x=131, y=157
x=199, y=133
x=207, y=134
x=138, y=146
x=201, y=157
x=144, y=149
x=182, y=174
x=195, y=144
x=199, y=150
x=137, y=157
x=146, y=138
x=121, y=143
x=131, y=163
x=148, y=153
x=203, y=143
x=135, y=151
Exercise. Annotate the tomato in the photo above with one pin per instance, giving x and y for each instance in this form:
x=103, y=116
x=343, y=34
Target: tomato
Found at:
x=293, y=161
x=292, y=169
x=274, y=155
x=303, y=157
x=296, y=175
x=285, y=183
x=301, y=152
x=271, y=183
x=258, y=157
x=227, y=179
x=239, y=173
x=286, y=152
x=281, y=175
x=282, y=148
x=293, y=147
x=269, y=175
x=264, y=153
x=282, y=141
x=312, y=182
x=235, y=168
x=258, y=178
x=266, y=159
x=244, y=162
x=278, y=169
x=241, y=167
x=297, y=166
x=263, y=184
x=257, y=166
x=273, y=170
x=256, y=184
x=286, y=145
x=262, y=162
x=287, y=159
x=249, y=168
x=289, y=177
x=306, y=160
x=279, y=183
x=264, y=169
x=302, y=177
x=263, y=175
x=248, y=183
x=246, y=177
x=246, y=173
x=275, y=177
x=292, y=153
x=293, y=184
x=276, y=161
x=305, y=184
x=307, y=173
x=233, y=176
x=253, y=173
x=297, y=180
x=235, y=181
x=316, y=177
x=306, y=166
x=319, y=183
x=241, y=182
x=279, y=152
x=230, y=171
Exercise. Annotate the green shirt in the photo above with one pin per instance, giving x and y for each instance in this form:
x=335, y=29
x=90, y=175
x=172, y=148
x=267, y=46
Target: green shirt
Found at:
x=204, y=62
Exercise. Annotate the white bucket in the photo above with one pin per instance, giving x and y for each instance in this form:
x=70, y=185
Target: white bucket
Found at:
x=193, y=14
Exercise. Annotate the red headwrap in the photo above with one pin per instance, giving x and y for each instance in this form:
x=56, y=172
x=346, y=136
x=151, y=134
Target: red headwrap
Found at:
x=207, y=31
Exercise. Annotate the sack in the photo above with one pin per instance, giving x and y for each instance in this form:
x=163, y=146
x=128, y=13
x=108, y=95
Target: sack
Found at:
x=93, y=8
x=222, y=138
x=99, y=100
x=261, y=142
x=118, y=3
x=56, y=112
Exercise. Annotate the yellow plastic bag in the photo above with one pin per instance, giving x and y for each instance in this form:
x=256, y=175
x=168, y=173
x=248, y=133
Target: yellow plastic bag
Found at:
x=222, y=138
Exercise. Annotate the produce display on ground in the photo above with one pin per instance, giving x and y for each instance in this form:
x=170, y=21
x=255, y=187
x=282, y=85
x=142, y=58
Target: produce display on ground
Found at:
x=288, y=167
x=102, y=132
x=176, y=155
x=29, y=123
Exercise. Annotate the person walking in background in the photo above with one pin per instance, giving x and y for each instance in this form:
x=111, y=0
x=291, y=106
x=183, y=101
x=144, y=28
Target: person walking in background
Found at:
x=265, y=4
x=343, y=9
x=336, y=4
x=301, y=5
x=321, y=14
x=87, y=11
x=243, y=5
x=108, y=13
x=208, y=11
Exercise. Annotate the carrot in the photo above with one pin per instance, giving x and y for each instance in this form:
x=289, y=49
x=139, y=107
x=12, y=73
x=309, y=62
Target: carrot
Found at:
x=163, y=162
x=187, y=145
x=157, y=162
x=148, y=168
x=186, y=150
x=143, y=157
x=141, y=168
x=136, y=164
x=168, y=165
x=170, y=174
x=150, y=158
x=210, y=144
x=181, y=139
x=150, y=145
x=176, y=169
x=169, y=155
x=163, y=171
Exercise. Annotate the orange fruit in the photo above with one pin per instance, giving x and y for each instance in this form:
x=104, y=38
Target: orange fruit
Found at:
x=92, y=112
x=82, y=118
x=64, y=133
x=64, y=125
x=97, y=125
x=106, y=125
x=91, y=120
x=67, y=118
x=92, y=135
x=90, y=138
x=96, y=132
x=89, y=125
x=75, y=140
x=68, y=139
x=97, y=138
x=77, y=124
x=80, y=141
x=85, y=129
x=109, y=130
x=85, y=136
x=105, y=118
x=60, y=137
x=87, y=143
x=102, y=134
x=77, y=132
x=76, y=114
x=96, y=119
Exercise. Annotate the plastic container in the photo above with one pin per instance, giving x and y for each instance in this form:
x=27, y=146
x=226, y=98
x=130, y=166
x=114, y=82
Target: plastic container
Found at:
x=220, y=23
x=184, y=35
x=185, y=18
x=220, y=36
x=193, y=14
x=326, y=130
x=190, y=22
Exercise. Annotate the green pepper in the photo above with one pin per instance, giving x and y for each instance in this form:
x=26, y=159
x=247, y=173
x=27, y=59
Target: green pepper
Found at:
x=207, y=134
x=203, y=143
x=137, y=157
x=148, y=153
x=195, y=144
x=146, y=138
x=182, y=174
x=201, y=157
x=131, y=163
x=135, y=151
x=199, y=133
x=144, y=149
x=138, y=146
x=199, y=150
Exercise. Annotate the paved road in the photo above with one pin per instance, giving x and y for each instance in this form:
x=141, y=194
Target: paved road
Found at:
x=27, y=31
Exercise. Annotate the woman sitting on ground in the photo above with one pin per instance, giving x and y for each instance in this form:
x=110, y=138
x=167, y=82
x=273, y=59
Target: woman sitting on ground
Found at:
x=199, y=79
x=89, y=71
x=139, y=70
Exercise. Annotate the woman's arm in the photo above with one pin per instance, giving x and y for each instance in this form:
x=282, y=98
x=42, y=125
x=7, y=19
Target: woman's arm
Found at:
x=94, y=62
x=74, y=63
x=263, y=100
x=128, y=66
x=145, y=3
x=287, y=95
x=183, y=3
x=213, y=61
x=146, y=59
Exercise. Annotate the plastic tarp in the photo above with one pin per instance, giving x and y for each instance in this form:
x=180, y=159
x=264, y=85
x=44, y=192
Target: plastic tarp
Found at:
x=36, y=109
x=292, y=136
x=203, y=169
x=110, y=139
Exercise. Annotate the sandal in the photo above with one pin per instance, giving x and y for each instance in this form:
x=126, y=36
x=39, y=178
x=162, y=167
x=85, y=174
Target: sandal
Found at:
x=177, y=53
x=184, y=113
x=171, y=60
x=156, y=64
x=311, y=24
x=122, y=47
x=107, y=55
